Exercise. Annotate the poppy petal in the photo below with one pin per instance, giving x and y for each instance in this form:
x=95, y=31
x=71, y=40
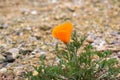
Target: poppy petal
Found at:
x=63, y=32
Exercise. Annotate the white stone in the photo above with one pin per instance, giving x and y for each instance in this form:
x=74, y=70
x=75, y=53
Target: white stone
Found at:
x=14, y=52
x=3, y=70
x=34, y=12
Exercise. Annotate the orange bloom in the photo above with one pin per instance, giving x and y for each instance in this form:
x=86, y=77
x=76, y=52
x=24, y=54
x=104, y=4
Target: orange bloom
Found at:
x=63, y=32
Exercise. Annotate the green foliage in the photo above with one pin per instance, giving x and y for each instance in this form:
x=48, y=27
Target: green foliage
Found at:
x=89, y=65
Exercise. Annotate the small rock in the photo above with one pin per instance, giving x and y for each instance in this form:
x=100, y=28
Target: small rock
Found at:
x=34, y=12
x=9, y=57
x=91, y=37
x=39, y=52
x=45, y=27
x=114, y=33
x=28, y=28
x=14, y=51
x=115, y=42
x=98, y=43
x=36, y=51
x=4, y=25
x=25, y=11
x=61, y=16
x=25, y=51
x=18, y=70
x=4, y=64
x=32, y=38
x=37, y=55
x=3, y=70
x=72, y=9
x=6, y=76
x=43, y=53
x=78, y=2
x=118, y=55
x=2, y=58
x=53, y=1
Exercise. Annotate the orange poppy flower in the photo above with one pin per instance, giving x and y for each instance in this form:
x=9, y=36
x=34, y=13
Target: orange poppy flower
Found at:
x=63, y=32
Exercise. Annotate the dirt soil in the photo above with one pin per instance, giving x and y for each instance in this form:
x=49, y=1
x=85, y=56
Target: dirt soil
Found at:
x=26, y=25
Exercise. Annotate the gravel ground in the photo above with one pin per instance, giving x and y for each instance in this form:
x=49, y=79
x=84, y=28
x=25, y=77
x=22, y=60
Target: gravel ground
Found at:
x=25, y=30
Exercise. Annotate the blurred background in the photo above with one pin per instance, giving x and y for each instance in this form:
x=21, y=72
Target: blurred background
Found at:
x=26, y=25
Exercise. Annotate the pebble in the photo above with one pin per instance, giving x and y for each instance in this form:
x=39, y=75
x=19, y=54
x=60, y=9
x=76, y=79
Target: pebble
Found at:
x=25, y=11
x=6, y=76
x=28, y=28
x=4, y=25
x=43, y=53
x=118, y=55
x=38, y=51
x=25, y=51
x=53, y=1
x=37, y=55
x=115, y=34
x=61, y=16
x=15, y=52
x=3, y=70
x=34, y=12
x=91, y=37
x=9, y=57
x=2, y=58
x=45, y=27
x=32, y=39
x=99, y=43
x=18, y=69
x=115, y=42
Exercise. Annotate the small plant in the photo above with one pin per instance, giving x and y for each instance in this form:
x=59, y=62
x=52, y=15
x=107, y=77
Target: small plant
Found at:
x=88, y=65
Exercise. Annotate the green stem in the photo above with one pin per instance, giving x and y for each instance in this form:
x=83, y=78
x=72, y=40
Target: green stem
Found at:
x=69, y=53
